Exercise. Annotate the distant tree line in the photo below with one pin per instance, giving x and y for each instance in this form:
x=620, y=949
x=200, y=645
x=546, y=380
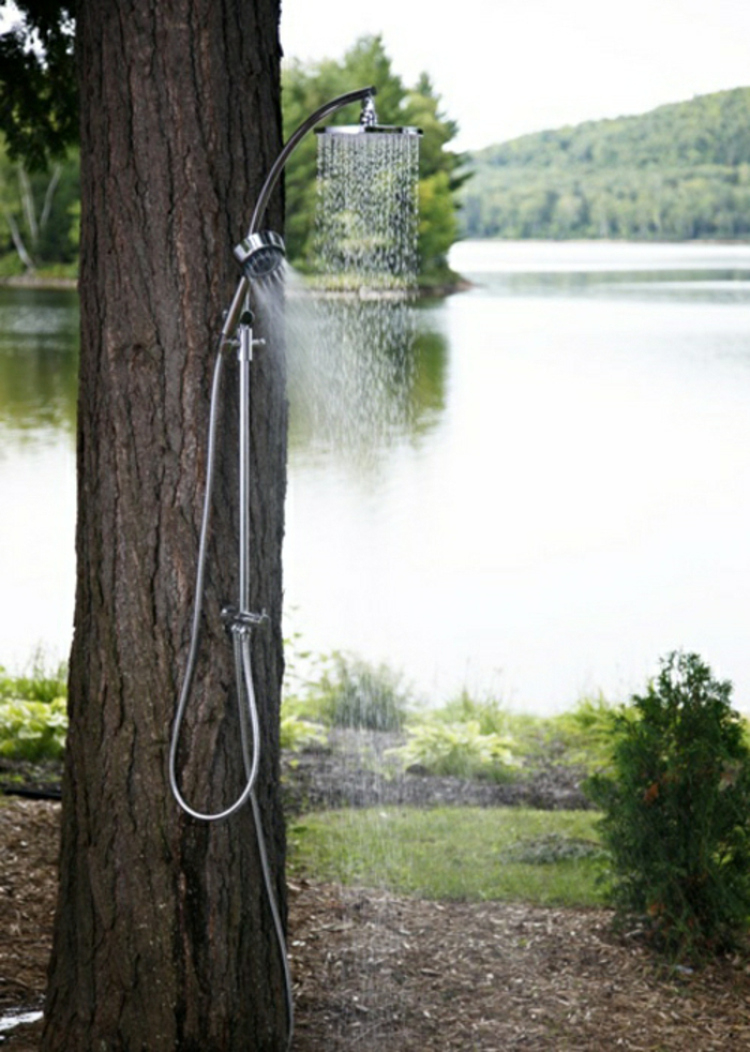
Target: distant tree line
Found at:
x=39, y=215
x=39, y=186
x=306, y=87
x=681, y=171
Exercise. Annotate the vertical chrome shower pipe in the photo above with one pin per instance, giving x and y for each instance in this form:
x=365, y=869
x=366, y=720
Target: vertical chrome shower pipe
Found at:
x=245, y=357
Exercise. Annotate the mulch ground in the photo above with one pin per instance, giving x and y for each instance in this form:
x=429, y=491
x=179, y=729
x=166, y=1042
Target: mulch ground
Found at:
x=373, y=971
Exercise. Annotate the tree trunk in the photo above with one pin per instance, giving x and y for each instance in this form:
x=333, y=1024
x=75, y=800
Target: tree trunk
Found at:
x=163, y=935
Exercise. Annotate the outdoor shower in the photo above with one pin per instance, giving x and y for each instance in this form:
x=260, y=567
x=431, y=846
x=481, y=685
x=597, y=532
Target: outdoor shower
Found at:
x=260, y=255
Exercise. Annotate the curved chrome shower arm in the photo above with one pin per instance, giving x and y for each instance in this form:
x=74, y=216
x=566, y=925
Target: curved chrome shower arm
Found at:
x=233, y=313
x=273, y=176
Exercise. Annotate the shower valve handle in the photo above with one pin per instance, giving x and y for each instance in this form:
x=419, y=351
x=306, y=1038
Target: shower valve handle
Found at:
x=242, y=620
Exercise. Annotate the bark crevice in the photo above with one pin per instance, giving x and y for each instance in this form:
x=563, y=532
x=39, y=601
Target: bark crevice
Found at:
x=162, y=935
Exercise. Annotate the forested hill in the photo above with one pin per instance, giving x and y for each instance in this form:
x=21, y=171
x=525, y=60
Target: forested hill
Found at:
x=681, y=171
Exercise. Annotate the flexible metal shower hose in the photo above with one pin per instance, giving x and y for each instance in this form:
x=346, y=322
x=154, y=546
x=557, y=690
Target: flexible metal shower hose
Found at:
x=248, y=709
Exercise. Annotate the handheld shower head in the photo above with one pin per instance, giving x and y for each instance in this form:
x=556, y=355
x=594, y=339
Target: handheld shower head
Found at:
x=260, y=254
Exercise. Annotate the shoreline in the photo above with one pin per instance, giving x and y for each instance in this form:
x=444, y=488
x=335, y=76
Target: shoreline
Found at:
x=38, y=281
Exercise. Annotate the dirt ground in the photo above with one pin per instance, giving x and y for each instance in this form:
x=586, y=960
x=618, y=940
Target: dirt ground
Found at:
x=376, y=972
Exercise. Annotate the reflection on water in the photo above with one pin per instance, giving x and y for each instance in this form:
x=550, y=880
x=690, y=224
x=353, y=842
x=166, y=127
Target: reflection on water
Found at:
x=361, y=376
x=538, y=486
x=38, y=363
x=38, y=376
x=582, y=504
x=596, y=257
x=723, y=286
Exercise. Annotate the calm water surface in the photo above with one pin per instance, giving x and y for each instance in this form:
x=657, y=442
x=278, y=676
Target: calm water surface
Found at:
x=578, y=501
x=38, y=369
x=541, y=490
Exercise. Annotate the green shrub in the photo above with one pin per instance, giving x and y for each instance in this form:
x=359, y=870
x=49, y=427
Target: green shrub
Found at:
x=550, y=848
x=33, y=730
x=33, y=717
x=298, y=733
x=41, y=684
x=677, y=812
x=489, y=714
x=584, y=736
x=355, y=694
x=458, y=749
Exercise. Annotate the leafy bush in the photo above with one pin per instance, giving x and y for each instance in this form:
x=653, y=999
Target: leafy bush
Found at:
x=677, y=812
x=33, y=717
x=32, y=730
x=584, y=736
x=41, y=684
x=489, y=713
x=358, y=695
x=458, y=749
x=551, y=848
x=298, y=733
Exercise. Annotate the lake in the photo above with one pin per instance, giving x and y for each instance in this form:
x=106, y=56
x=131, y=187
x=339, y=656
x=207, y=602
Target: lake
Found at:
x=534, y=488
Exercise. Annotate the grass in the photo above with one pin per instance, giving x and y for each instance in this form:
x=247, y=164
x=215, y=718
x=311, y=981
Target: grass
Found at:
x=464, y=854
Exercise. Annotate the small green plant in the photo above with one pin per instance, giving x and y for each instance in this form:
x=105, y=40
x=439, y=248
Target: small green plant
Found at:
x=488, y=713
x=33, y=730
x=297, y=733
x=33, y=717
x=584, y=736
x=458, y=749
x=40, y=684
x=677, y=812
x=550, y=848
x=581, y=737
x=352, y=693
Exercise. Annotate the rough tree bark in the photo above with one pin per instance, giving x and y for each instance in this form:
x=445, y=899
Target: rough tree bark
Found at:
x=163, y=936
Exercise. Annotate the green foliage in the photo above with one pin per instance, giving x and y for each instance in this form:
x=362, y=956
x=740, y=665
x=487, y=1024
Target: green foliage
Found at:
x=677, y=811
x=489, y=714
x=41, y=683
x=466, y=738
x=307, y=87
x=10, y=262
x=33, y=713
x=33, y=730
x=460, y=749
x=553, y=847
x=465, y=854
x=680, y=171
x=354, y=694
x=39, y=122
x=581, y=737
x=38, y=84
x=39, y=212
x=584, y=736
x=297, y=732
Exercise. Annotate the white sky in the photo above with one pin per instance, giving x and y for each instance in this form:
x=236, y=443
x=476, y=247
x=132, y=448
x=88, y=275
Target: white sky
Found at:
x=507, y=67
